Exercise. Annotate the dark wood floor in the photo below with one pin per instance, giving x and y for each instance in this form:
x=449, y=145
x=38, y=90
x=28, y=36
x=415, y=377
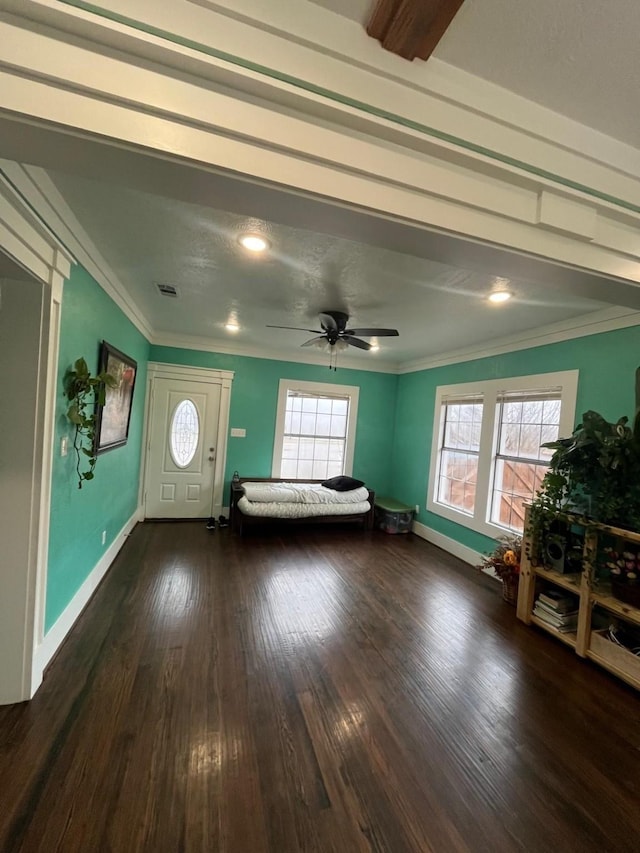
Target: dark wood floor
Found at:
x=325, y=690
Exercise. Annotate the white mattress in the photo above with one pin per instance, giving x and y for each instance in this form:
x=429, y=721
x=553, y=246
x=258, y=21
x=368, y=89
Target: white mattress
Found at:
x=301, y=493
x=284, y=509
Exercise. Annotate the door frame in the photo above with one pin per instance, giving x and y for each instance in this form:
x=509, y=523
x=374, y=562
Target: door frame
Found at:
x=35, y=248
x=212, y=376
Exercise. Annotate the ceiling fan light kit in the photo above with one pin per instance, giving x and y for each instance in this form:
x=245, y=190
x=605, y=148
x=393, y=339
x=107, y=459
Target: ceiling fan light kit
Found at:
x=334, y=335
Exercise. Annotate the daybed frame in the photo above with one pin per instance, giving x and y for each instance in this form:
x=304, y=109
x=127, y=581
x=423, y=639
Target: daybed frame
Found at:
x=239, y=520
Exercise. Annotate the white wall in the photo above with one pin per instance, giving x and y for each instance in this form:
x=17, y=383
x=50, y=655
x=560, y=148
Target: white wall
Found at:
x=23, y=311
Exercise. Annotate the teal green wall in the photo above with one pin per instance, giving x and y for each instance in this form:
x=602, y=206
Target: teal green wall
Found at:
x=78, y=516
x=254, y=398
x=607, y=363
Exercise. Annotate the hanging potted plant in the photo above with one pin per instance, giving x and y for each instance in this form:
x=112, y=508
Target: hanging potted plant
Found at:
x=84, y=392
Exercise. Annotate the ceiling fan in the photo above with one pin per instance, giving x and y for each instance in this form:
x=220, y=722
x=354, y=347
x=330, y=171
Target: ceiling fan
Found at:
x=334, y=331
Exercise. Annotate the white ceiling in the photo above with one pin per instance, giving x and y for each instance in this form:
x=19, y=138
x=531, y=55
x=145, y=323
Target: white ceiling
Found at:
x=436, y=307
x=576, y=57
x=151, y=220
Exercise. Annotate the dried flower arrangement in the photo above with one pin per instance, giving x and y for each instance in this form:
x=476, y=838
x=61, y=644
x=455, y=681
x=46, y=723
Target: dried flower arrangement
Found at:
x=505, y=557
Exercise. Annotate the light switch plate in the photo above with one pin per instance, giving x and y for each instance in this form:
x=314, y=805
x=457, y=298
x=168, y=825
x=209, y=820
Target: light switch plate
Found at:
x=238, y=433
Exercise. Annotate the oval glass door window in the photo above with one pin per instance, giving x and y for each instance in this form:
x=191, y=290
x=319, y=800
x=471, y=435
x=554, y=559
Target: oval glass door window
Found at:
x=184, y=433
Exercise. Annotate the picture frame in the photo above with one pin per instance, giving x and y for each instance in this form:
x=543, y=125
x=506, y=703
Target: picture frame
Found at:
x=114, y=416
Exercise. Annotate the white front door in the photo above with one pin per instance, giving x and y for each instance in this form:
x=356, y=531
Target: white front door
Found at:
x=182, y=452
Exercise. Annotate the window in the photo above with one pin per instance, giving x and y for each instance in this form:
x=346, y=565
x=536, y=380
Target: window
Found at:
x=459, y=451
x=525, y=422
x=487, y=460
x=315, y=430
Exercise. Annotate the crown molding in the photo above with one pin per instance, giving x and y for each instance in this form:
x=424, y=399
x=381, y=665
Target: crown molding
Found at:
x=607, y=320
x=346, y=361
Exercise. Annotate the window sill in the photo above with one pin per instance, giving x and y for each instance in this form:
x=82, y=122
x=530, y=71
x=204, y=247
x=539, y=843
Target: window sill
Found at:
x=487, y=528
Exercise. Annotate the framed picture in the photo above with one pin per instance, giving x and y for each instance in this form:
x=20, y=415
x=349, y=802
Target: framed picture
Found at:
x=112, y=419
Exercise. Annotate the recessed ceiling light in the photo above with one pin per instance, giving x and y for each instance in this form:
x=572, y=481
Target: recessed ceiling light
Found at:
x=254, y=242
x=500, y=296
x=232, y=327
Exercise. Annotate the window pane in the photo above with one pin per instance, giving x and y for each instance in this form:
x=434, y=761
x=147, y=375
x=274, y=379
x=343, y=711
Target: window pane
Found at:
x=308, y=425
x=319, y=470
x=305, y=469
x=551, y=412
x=323, y=425
x=510, y=439
x=321, y=449
x=296, y=421
x=289, y=468
x=529, y=441
x=462, y=425
x=457, y=481
x=306, y=448
x=314, y=439
x=338, y=425
x=336, y=450
x=184, y=433
x=290, y=447
x=548, y=433
x=515, y=483
x=523, y=437
x=532, y=412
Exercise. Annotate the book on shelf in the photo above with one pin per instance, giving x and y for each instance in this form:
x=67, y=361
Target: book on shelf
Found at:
x=561, y=623
x=562, y=627
x=559, y=601
x=556, y=614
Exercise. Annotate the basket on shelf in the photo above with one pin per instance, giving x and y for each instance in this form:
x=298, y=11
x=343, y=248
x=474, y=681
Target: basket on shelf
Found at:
x=510, y=588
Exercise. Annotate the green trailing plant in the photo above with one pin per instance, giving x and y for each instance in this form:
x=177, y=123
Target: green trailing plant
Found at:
x=84, y=393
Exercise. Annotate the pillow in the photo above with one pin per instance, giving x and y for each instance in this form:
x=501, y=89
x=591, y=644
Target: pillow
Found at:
x=342, y=484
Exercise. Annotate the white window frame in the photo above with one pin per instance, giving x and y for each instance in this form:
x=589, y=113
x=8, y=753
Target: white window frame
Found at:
x=318, y=388
x=491, y=390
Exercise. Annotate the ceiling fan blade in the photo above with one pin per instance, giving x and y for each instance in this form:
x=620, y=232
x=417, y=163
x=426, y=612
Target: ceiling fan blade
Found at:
x=295, y=329
x=379, y=333
x=313, y=341
x=328, y=322
x=355, y=342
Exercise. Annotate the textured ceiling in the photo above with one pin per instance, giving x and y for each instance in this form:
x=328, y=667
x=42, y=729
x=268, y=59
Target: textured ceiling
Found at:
x=437, y=308
x=576, y=57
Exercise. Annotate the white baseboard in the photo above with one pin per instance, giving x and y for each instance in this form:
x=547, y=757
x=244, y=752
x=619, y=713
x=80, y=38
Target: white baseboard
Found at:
x=55, y=636
x=468, y=555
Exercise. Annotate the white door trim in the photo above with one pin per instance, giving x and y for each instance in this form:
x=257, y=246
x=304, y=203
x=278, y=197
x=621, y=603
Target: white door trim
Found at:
x=24, y=238
x=223, y=378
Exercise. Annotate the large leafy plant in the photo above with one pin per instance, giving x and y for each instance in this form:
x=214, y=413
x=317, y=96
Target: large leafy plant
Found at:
x=595, y=472
x=84, y=393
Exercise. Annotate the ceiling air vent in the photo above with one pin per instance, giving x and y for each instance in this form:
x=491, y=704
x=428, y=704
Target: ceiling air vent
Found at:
x=167, y=289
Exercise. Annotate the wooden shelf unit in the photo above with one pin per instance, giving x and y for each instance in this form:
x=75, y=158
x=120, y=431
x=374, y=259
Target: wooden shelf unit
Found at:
x=587, y=641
